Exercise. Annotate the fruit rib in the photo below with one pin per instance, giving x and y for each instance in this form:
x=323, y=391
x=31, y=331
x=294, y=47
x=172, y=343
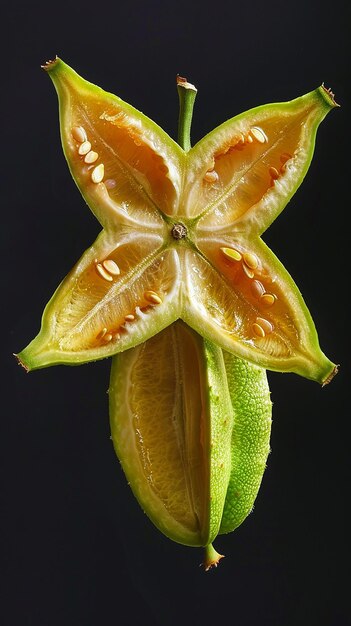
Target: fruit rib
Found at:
x=252, y=409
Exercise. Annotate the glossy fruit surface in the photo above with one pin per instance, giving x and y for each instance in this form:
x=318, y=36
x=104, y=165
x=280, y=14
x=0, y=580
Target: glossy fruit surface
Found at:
x=192, y=445
x=181, y=232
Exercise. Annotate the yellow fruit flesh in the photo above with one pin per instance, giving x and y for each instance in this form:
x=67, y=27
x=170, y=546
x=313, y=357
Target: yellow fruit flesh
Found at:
x=172, y=455
x=226, y=190
x=164, y=426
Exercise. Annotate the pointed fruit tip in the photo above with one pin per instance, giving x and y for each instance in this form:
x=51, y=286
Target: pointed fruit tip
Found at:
x=329, y=95
x=212, y=558
x=20, y=362
x=331, y=375
x=49, y=65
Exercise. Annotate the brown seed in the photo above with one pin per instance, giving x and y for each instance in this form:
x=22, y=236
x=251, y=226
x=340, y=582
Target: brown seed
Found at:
x=258, y=134
x=103, y=273
x=98, y=173
x=285, y=157
x=111, y=267
x=231, y=254
x=211, y=176
x=265, y=324
x=268, y=299
x=257, y=288
x=84, y=148
x=258, y=330
x=79, y=134
x=152, y=297
x=108, y=337
x=91, y=157
x=251, y=260
x=274, y=173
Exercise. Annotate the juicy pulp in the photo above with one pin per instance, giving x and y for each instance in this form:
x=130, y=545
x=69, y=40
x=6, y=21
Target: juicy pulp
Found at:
x=224, y=193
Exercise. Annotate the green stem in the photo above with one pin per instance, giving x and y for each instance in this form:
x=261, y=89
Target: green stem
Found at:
x=187, y=94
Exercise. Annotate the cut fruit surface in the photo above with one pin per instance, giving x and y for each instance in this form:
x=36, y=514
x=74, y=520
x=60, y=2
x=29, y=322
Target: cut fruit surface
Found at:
x=171, y=423
x=184, y=226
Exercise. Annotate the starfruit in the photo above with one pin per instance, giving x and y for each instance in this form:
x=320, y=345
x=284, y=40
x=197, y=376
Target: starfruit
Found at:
x=192, y=445
x=181, y=234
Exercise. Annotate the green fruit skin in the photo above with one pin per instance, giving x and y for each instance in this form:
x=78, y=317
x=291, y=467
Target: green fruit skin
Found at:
x=252, y=407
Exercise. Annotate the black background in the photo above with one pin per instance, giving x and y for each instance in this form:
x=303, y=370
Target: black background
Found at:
x=78, y=551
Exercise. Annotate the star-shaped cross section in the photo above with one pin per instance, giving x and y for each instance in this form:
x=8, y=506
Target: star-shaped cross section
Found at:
x=182, y=232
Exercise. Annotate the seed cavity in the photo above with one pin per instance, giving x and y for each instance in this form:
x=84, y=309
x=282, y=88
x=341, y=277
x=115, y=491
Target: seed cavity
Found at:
x=102, y=333
x=103, y=272
x=110, y=183
x=79, y=134
x=265, y=324
x=240, y=145
x=284, y=157
x=268, y=299
x=111, y=266
x=248, y=271
x=152, y=297
x=251, y=260
x=258, y=134
x=258, y=330
x=257, y=289
x=91, y=157
x=211, y=176
x=84, y=148
x=232, y=254
x=98, y=173
x=273, y=173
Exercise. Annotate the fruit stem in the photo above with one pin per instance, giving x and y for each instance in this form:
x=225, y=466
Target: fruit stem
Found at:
x=187, y=94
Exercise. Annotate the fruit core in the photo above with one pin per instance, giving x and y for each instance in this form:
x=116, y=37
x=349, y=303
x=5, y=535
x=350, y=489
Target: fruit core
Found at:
x=179, y=231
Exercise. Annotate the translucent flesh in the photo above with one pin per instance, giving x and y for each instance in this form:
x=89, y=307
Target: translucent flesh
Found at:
x=170, y=432
x=226, y=191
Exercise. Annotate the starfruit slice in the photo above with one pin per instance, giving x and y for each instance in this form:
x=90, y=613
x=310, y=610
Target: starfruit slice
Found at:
x=192, y=449
x=181, y=232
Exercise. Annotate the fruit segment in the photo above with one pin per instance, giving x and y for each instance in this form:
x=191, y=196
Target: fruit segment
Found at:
x=120, y=160
x=247, y=169
x=250, y=299
x=107, y=304
x=171, y=423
